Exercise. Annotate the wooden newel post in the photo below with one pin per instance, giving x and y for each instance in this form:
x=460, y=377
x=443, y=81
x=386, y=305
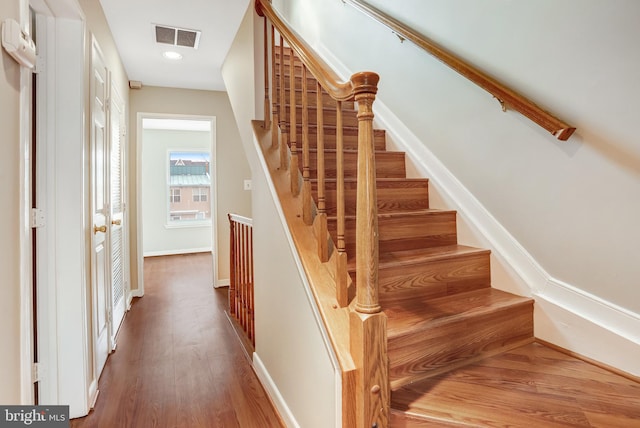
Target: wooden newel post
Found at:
x=366, y=204
x=368, y=323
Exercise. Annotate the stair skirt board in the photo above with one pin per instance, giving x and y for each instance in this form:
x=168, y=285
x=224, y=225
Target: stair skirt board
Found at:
x=264, y=376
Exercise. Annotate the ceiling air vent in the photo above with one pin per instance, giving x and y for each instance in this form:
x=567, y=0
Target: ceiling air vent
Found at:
x=177, y=36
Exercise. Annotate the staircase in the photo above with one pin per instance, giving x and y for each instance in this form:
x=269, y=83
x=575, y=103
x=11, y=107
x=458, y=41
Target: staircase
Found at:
x=436, y=293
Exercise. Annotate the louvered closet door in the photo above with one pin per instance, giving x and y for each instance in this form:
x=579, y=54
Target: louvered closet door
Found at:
x=118, y=236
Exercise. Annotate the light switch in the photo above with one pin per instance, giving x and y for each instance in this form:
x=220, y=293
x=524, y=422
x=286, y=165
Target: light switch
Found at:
x=247, y=184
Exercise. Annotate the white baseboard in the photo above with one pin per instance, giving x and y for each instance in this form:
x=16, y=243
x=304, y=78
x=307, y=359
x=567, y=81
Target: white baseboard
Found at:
x=272, y=389
x=588, y=325
x=93, y=394
x=565, y=315
x=135, y=293
x=222, y=283
x=176, y=252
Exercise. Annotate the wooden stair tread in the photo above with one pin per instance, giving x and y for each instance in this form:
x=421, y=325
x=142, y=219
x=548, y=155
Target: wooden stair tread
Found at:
x=313, y=150
x=419, y=313
x=330, y=129
x=420, y=255
x=381, y=180
x=414, y=213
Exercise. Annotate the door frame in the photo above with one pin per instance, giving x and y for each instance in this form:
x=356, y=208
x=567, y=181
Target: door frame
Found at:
x=27, y=336
x=139, y=208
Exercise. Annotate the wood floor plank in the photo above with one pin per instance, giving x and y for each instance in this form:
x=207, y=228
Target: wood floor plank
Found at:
x=178, y=362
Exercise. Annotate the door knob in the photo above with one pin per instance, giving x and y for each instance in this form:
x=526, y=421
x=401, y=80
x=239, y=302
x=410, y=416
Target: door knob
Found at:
x=97, y=229
x=116, y=222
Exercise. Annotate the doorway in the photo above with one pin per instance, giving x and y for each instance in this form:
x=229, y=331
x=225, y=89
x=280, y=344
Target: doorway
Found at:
x=176, y=196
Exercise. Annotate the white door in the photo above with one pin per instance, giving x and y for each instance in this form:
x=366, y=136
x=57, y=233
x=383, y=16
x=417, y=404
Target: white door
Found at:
x=100, y=288
x=118, y=244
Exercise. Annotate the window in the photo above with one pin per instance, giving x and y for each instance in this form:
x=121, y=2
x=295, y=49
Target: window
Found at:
x=175, y=196
x=200, y=194
x=189, y=187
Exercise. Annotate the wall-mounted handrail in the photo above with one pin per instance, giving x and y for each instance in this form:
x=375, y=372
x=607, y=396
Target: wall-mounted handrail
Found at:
x=505, y=95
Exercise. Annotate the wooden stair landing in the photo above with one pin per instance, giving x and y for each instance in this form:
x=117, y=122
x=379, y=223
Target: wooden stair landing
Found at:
x=531, y=386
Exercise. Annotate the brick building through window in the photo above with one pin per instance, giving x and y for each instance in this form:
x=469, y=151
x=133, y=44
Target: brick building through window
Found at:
x=189, y=186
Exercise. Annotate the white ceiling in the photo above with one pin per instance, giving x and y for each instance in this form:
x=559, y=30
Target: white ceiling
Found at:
x=131, y=23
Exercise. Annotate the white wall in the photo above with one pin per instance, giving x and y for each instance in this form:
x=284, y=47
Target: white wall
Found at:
x=291, y=358
x=567, y=210
x=158, y=238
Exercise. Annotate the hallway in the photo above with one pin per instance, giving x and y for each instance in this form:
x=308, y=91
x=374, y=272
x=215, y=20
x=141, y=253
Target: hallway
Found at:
x=178, y=362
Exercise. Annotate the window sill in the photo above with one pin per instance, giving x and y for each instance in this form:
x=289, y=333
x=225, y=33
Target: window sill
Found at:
x=187, y=224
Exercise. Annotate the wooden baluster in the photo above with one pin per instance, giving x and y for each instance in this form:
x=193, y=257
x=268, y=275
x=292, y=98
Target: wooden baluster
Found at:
x=245, y=264
x=252, y=324
x=283, y=113
x=267, y=103
x=234, y=310
x=274, y=90
x=307, y=215
x=342, y=276
x=236, y=306
x=293, y=127
x=240, y=289
x=244, y=278
x=232, y=267
x=245, y=241
x=320, y=222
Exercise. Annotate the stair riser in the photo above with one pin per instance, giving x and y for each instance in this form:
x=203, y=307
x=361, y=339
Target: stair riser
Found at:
x=349, y=140
x=430, y=351
x=405, y=232
x=349, y=137
x=326, y=101
x=434, y=279
x=388, y=164
x=349, y=117
x=392, y=197
x=312, y=83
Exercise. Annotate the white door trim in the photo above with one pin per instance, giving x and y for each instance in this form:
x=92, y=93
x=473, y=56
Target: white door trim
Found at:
x=214, y=194
x=26, y=271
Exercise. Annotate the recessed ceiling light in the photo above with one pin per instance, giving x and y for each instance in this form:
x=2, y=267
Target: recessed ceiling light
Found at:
x=172, y=55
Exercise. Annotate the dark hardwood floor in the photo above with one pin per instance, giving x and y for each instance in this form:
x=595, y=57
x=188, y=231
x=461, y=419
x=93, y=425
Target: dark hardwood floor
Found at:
x=178, y=361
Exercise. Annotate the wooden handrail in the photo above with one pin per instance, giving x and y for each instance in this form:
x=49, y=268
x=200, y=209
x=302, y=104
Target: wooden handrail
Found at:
x=505, y=95
x=330, y=81
x=236, y=218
